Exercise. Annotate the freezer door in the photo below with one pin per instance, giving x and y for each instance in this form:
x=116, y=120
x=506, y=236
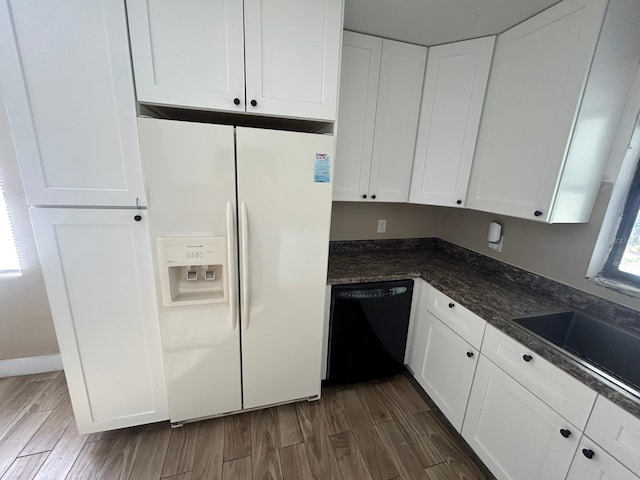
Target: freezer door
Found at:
x=190, y=174
x=284, y=196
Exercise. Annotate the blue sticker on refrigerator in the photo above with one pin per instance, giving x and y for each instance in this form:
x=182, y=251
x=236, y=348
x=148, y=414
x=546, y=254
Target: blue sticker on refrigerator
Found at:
x=322, y=168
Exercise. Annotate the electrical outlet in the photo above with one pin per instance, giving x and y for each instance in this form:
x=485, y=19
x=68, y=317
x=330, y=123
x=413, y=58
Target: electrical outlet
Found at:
x=382, y=226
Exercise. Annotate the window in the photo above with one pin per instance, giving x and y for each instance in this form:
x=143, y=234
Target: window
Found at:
x=9, y=264
x=624, y=259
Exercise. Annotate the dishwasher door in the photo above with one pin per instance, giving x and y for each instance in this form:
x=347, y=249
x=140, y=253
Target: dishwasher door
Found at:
x=368, y=330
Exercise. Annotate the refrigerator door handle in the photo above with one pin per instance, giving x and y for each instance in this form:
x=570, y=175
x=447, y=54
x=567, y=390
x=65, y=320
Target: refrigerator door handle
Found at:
x=244, y=279
x=231, y=267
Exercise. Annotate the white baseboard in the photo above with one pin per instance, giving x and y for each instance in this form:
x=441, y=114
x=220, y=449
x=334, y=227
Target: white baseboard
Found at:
x=29, y=365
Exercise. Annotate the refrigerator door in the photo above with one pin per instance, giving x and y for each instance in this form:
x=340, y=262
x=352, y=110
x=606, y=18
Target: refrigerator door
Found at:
x=190, y=173
x=284, y=192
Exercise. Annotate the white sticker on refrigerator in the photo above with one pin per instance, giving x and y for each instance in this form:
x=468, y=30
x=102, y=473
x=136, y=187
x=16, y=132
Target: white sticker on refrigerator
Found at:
x=322, y=168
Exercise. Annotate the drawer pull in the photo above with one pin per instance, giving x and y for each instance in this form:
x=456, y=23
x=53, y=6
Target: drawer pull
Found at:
x=527, y=358
x=565, y=433
x=470, y=354
x=587, y=452
x=451, y=305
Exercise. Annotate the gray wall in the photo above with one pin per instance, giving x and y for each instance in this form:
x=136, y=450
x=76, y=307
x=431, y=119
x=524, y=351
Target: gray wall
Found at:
x=359, y=220
x=25, y=319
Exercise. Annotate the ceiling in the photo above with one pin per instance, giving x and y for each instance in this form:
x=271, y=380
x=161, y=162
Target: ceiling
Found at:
x=432, y=22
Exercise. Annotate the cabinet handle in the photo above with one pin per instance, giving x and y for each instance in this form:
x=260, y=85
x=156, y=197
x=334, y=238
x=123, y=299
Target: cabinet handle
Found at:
x=587, y=452
x=364, y=196
x=373, y=197
x=565, y=433
x=451, y=305
x=470, y=354
x=527, y=358
x=236, y=101
x=137, y=218
x=254, y=103
x=537, y=213
x=459, y=202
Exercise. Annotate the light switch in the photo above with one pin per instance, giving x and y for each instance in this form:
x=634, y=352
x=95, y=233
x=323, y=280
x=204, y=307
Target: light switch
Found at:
x=382, y=226
x=192, y=275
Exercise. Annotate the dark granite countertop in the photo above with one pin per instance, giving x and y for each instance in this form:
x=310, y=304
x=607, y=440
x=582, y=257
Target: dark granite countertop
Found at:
x=494, y=291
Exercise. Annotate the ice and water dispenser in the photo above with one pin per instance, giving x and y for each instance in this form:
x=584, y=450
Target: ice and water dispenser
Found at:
x=193, y=270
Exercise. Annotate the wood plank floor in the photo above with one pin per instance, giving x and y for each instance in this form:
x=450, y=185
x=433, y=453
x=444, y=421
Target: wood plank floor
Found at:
x=381, y=430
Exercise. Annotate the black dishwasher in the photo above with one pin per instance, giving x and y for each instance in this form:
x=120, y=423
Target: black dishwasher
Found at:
x=368, y=330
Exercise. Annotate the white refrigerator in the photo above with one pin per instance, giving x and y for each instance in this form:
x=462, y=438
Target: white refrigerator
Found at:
x=239, y=220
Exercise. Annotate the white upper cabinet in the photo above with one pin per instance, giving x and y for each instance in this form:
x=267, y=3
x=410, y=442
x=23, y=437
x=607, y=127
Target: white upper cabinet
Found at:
x=359, y=76
x=189, y=54
x=292, y=50
x=556, y=92
x=67, y=83
x=379, y=104
x=452, y=98
x=204, y=53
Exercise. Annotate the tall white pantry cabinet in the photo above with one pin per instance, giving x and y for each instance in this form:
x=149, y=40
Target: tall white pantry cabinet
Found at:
x=66, y=77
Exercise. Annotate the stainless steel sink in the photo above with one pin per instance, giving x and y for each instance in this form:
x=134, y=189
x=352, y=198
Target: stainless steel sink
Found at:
x=609, y=350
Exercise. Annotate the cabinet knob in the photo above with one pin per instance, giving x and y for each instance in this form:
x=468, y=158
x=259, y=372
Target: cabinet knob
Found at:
x=459, y=202
x=587, y=452
x=451, y=305
x=137, y=218
x=236, y=101
x=373, y=197
x=254, y=103
x=470, y=354
x=364, y=195
x=527, y=358
x=565, y=433
x=537, y=213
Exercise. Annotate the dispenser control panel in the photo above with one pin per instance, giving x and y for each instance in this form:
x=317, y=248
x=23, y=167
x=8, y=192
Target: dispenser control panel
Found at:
x=193, y=270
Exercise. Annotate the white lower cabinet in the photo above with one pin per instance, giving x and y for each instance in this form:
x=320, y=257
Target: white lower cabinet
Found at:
x=515, y=434
x=440, y=352
x=592, y=463
x=99, y=279
x=447, y=369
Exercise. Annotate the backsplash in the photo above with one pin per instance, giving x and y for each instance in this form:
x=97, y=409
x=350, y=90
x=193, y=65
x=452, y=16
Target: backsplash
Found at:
x=389, y=244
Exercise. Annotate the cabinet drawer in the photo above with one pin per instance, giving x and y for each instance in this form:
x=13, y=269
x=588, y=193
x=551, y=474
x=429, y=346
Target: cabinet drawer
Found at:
x=600, y=466
x=566, y=395
x=462, y=321
x=617, y=431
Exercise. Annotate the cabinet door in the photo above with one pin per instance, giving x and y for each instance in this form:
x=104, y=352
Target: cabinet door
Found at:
x=66, y=78
x=401, y=76
x=359, y=75
x=515, y=434
x=597, y=466
x=188, y=53
x=452, y=99
x=536, y=84
x=292, y=57
x=99, y=279
x=447, y=369
x=284, y=249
